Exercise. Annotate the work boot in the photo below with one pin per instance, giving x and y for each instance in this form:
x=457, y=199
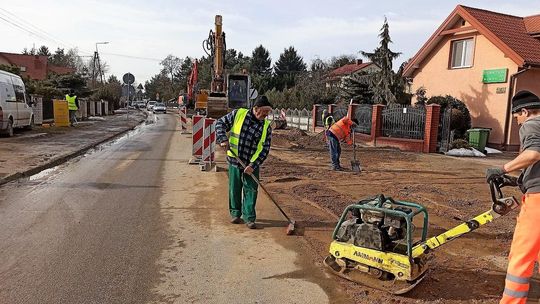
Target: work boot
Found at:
x=338, y=169
x=251, y=225
x=236, y=220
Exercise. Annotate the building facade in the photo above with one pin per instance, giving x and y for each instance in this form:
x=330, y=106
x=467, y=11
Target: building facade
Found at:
x=482, y=58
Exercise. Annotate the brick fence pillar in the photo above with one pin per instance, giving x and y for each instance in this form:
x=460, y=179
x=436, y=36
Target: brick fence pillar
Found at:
x=331, y=108
x=432, y=128
x=376, y=122
x=314, y=117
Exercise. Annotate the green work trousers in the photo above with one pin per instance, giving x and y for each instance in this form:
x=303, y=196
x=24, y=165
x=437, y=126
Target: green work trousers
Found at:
x=242, y=193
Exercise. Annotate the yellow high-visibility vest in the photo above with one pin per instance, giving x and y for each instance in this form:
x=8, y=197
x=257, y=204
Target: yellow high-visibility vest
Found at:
x=71, y=102
x=234, y=136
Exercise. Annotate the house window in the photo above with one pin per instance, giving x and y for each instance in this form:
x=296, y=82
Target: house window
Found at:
x=23, y=68
x=462, y=53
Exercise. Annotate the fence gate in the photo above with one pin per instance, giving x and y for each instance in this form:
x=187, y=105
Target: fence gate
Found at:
x=445, y=134
x=403, y=122
x=363, y=113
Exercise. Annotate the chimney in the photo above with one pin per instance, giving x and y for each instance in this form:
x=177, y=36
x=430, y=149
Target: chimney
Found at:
x=358, y=61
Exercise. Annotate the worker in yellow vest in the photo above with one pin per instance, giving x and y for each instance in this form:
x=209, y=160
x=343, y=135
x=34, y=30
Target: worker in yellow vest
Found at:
x=73, y=106
x=249, y=139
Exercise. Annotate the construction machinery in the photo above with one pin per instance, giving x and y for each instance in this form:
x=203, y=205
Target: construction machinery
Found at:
x=226, y=92
x=376, y=241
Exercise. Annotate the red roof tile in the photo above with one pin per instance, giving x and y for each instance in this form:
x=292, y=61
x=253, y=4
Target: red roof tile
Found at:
x=512, y=31
x=532, y=24
x=349, y=69
x=35, y=65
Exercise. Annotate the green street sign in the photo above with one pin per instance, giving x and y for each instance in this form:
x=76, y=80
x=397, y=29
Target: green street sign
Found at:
x=494, y=76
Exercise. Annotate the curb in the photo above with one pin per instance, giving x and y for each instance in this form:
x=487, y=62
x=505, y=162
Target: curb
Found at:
x=63, y=158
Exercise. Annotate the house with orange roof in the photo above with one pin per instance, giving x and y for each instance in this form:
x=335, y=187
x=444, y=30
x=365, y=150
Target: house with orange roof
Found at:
x=33, y=66
x=482, y=58
x=336, y=76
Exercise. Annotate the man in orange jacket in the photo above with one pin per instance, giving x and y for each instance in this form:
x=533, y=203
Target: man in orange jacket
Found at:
x=525, y=248
x=338, y=132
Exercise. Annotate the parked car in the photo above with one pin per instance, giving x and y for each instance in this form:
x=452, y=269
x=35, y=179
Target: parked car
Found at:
x=159, y=107
x=150, y=105
x=14, y=111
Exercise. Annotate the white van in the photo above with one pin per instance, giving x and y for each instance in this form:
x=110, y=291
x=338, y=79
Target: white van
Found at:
x=14, y=111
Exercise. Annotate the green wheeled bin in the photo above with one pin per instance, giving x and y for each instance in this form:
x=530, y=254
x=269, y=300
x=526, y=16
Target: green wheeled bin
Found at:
x=478, y=138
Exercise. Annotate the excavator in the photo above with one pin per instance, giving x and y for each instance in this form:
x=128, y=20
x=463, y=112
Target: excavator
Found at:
x=226, y=92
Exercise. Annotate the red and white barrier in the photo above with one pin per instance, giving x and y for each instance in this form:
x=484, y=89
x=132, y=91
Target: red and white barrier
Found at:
x=198, y=130
x=209, y=144
x=183, y=119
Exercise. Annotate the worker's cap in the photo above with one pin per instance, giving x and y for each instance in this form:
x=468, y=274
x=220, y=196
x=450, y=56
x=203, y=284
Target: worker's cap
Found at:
x=525, y=100
x=262, y=101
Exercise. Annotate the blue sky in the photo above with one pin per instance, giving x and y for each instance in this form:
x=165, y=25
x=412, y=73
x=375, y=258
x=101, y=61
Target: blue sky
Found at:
x=154, y=29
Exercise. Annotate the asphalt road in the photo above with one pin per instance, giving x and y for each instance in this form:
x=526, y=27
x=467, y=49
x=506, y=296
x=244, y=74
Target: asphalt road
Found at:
x=132, y=222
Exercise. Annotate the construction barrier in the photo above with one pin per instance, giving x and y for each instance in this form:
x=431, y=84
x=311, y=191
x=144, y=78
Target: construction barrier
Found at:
x=197, y=131
x=183, y=119
x=209, y=144
x=61, y=113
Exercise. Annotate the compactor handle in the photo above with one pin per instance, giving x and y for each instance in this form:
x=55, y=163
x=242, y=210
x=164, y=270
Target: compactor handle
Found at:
x=501, y=205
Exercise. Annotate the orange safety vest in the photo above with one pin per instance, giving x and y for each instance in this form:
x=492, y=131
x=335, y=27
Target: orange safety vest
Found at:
x=342, y=129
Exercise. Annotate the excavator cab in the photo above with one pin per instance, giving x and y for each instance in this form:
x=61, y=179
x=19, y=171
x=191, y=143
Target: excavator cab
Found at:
x=238, y=91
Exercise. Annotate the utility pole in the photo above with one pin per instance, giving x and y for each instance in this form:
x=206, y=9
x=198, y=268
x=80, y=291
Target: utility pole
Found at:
x=96, y=67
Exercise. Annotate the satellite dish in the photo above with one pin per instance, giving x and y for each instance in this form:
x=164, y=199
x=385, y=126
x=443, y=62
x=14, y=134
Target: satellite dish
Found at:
x=128, y=78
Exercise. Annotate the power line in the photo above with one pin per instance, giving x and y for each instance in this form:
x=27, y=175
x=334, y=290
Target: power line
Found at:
x=26, y=23
x=24, y=29
x=37, y=32
x=134, y=57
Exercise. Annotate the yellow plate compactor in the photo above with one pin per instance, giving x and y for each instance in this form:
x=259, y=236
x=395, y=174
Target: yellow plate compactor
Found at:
x=375, y=242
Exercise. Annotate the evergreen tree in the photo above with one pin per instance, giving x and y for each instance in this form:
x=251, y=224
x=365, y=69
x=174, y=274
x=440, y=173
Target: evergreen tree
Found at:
x=286, y=69
x=357, y=88
x=44, y=51
x=260, y=61
x=318, y=65
x=382, y=81
x=235, y=61
x=183, y=74
x=261, y=69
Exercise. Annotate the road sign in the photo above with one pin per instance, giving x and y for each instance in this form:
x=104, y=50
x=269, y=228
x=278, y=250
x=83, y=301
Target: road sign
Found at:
x=253, y=93
x=128, y=78
x=125, y=90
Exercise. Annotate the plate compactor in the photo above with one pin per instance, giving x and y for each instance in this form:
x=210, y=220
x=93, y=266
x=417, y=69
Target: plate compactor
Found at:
x=375, y=242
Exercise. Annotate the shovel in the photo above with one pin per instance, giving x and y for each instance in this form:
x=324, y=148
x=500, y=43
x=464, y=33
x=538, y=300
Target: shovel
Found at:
x=292, y=223
x=355, y=164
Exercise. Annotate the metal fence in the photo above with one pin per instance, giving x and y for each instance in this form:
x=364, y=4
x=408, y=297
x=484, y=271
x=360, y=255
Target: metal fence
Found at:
x=403, y=122
x=300, y=119
x=340, y=111
x=444, y=137
x=363, y=113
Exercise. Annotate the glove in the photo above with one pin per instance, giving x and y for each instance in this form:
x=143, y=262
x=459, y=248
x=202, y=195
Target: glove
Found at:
x=493, y=173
